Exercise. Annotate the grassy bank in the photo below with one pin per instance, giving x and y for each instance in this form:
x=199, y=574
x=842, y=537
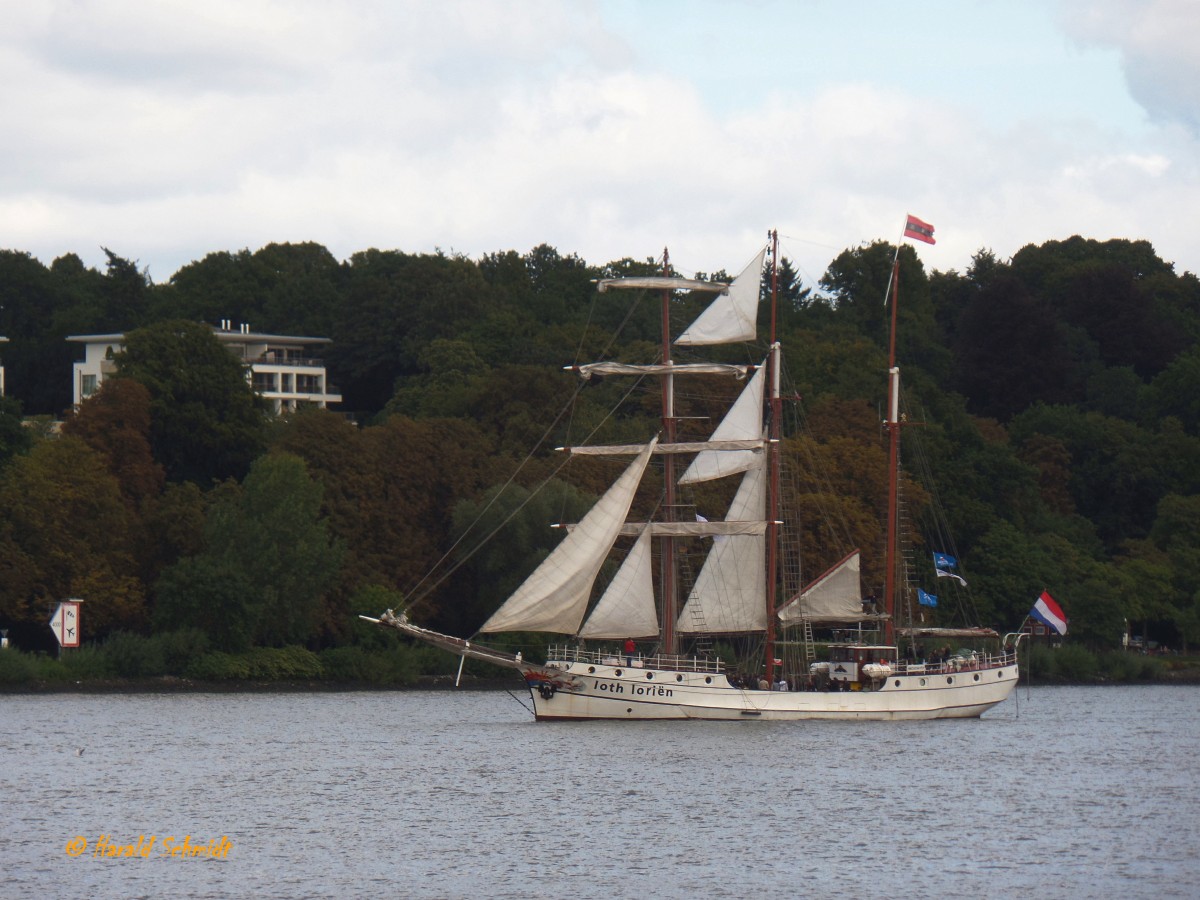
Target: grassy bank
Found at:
x=182, y=660
x=179, y=659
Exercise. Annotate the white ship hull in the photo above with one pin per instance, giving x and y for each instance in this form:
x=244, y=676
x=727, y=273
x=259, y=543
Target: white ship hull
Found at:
x=612, y=692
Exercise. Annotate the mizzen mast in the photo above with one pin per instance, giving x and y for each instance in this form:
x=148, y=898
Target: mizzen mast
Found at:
x=892, y=424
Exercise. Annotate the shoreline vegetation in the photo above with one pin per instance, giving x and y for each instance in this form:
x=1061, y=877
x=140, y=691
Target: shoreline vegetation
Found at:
x=178, y=662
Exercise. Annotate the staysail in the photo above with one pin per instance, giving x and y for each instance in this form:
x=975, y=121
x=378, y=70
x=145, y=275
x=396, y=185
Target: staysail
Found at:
x=743, y=422
x=555, y=596
x=730, y=592
x=626, y=609
x=731, y=317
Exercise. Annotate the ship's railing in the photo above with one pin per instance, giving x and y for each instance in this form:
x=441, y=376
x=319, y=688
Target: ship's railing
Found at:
x=972, y=663
x=562, y=653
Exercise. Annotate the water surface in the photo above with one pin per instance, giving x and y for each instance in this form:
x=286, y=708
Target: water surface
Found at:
x=1059, y=792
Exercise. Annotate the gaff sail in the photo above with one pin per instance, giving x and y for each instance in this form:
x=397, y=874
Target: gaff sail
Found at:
x=835, y=596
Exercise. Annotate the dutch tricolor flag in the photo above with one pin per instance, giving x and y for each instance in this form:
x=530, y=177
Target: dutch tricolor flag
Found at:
x=1049, y=613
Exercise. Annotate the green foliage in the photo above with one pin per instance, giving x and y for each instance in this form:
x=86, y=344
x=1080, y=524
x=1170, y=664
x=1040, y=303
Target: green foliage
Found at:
x=87, y=663
x=1119, y=666
x=272, y=534
x=1069, y=459
x=1075, y=663
x=213, y=597
x=206, y=422
x=134, y=656
x=394, y=666
x=16, y=667
x=259, y=664
x=218, y=666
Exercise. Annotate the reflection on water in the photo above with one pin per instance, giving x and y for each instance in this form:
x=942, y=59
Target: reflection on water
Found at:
x=1060, y=792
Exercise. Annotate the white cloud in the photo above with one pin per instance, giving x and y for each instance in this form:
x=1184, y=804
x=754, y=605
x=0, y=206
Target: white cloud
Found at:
x=169, y=130
x=1157, y=43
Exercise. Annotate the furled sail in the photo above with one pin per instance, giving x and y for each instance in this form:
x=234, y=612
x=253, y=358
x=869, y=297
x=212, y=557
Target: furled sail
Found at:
x=730, y=593
x=661, y=449
x=555, y=596
x=626, y=609
x=731, y=317
x=589, y=370
x=660, y=283
x=835, y=596
x=744, y=421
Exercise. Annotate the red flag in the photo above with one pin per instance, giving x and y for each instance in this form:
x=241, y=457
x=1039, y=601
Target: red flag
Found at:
x=918, y=230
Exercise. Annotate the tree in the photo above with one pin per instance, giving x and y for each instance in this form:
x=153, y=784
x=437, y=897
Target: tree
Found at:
x=394, y=305
x=67, y=533
x=204, y=593
x=14, y=437
x=272, y=533
x=267, y=538
x=115, y=422
x=206, y=423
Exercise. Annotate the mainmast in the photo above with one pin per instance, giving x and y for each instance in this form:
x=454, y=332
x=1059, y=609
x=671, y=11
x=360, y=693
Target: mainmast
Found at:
x=670, y=602
x=772, y=451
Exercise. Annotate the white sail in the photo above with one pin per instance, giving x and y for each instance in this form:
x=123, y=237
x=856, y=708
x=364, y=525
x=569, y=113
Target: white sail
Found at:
x=731, y=317
x=626, y=608
x=730, y=593
x=555, y=597
x=743, y=422
x=836, y=596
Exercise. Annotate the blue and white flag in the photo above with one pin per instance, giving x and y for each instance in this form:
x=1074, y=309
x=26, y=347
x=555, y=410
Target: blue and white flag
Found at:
x=943, y=574
x=926, y=599
x=944, y=561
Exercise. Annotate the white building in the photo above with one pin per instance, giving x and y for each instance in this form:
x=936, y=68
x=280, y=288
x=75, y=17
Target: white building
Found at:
x=281, y=368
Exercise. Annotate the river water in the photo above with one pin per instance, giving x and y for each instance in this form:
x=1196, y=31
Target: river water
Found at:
x=1060, y=792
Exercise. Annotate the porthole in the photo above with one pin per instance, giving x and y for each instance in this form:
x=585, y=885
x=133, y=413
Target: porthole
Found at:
x=679, y=678
x=649, y=676
x=591, y=670
x=949, y=679
x=1000, y=674
x=708, y=679
x=897, y=682
x=922, y=682
x=976, y=676
x=618, y=672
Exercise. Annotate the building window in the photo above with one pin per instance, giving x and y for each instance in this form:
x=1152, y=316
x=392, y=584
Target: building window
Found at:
x=88, y=386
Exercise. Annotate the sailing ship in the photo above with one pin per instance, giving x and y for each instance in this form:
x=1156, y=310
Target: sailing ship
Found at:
x=865, y=674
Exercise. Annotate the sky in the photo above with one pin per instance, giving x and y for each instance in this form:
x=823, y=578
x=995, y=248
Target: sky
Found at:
x=165, y=130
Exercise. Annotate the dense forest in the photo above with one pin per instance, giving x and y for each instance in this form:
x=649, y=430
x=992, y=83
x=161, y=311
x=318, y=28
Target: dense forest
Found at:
x=1058, y=447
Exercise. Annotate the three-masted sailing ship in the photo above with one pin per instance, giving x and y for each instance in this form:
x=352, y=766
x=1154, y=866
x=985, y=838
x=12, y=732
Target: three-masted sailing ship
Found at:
x=737, y=590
